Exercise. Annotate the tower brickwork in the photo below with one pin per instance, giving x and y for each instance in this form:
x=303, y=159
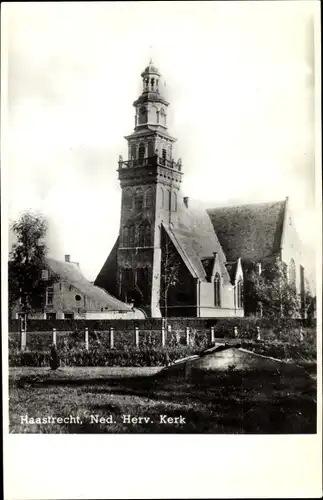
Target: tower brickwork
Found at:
x=150, y=181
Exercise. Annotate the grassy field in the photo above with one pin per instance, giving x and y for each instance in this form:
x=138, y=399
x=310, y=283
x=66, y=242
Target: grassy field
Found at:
x=256, y=401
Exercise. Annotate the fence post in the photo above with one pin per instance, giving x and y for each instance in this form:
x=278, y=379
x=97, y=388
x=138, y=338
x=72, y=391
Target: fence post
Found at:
x=111, y=337
x=212, y=335
x=136, y=336
x=258, y=333
x=187, y=330
x=54, y=336
x=235, y=332
x=163, y=336
x=87, y=339
x=301, y=336
x=23, y=339
x=23, y=333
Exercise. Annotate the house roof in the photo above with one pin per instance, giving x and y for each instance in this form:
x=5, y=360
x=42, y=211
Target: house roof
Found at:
x=72, y=274
x=252, y=232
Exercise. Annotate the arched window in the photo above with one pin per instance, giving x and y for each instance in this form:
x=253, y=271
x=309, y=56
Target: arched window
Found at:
x=217, y=290
x=164, y=155
x=141, y=151
x=168, y=200
x=125, y=236
x=292, y=273
x=240, y=294
x=128, y=236
x=142, y=115
x=174, y=202
x=149, y=198
x=144, y=239
x=139, y=199
x=132, y=236
x=153, y=115
x=163, y=117
x=133, y=151
x=161, y=197
x=127, y=198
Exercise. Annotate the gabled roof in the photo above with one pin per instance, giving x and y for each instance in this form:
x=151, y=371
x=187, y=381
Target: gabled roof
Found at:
x=193, y=232
x=251, y=231
x=71, y=273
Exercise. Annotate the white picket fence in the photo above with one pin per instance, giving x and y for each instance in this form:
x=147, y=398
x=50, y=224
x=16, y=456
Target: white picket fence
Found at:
x=164, y=334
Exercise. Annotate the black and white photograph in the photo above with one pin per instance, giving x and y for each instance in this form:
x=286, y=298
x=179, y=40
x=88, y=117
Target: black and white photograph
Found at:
x=161, y=217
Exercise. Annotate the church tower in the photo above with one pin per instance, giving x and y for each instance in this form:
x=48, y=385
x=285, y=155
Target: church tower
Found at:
x=150, y=181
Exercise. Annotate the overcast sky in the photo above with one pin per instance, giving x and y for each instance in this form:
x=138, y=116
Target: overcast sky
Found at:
x=240, y=78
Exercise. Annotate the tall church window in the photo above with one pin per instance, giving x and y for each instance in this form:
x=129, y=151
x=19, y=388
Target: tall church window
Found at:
x=168, y=200
x=217, y=290
x=240, y=294
x=139, y=200
x=143, y=280
x=127, y=198
x=144, y=239
x=128, y=236
x=292, y=273
x=161, y=197
x=174, y=202
x=149, y=197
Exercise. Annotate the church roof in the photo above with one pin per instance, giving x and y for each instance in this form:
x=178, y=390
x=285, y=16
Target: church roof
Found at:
x=252, y=231
x=193, y=235
x=72, y=274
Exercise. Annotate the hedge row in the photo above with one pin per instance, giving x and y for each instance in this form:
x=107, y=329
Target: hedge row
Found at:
x=153, y=356
x=101, y=357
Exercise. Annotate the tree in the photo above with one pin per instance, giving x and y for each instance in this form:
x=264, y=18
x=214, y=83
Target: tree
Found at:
x=271, y=289
x=170, y=273
x=28, y=271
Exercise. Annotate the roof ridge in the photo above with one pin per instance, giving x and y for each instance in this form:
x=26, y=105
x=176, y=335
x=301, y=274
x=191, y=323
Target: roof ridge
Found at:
x=252, y=204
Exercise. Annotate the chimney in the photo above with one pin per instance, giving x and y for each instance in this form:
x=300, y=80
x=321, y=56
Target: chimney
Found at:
x=67, y=258
x=185, y=199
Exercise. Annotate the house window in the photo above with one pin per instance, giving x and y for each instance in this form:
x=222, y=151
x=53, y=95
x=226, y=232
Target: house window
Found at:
x=44, y=275
x=49, y=296
x=217, y=290
x=50, y=316
x=258, y=268
x=68, y=315
x=240, y=294
x=78, y=297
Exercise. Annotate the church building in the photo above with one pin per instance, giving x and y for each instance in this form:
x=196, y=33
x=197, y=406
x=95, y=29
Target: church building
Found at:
x=172, y=257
